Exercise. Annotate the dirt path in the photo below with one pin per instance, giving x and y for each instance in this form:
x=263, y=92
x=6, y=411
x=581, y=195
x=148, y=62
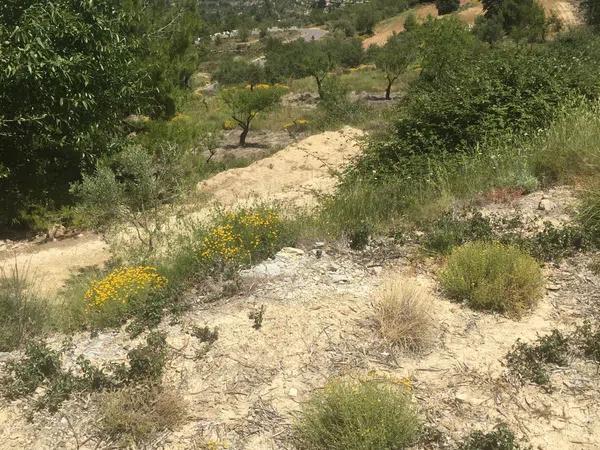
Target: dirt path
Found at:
x=293, y=174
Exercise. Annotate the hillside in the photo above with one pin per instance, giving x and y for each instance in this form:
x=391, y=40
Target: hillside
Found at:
x=261, y=225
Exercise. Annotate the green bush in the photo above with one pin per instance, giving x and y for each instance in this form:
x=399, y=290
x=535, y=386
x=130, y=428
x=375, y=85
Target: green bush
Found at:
x=493, y=277
x=357, y=416
x=447, y=6
x=471, y=94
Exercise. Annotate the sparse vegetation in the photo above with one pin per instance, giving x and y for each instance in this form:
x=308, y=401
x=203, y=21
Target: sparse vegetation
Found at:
x=133, y=415
x=402, y=314
x=42, y=366
x=529, y=362
x=493, y=277
x=357, y=415
x=502, y=438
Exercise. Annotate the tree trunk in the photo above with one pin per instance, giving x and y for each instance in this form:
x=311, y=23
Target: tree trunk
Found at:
x=319, y=87
x=243, y=136
x=388, y=90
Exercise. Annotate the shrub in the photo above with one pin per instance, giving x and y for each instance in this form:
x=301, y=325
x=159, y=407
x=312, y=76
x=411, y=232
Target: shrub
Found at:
x=241, y=238
x=493, y=277
x=21, y=312
x=587, y=338
x=447, y=6
x=133, y=415
x=128, y=189
x=502, y=438
x=357, y=415
x=402, y=315
x=529, y=361
x=114, y=298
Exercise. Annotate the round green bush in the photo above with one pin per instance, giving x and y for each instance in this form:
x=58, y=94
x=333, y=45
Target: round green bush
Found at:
x=364, y=415
x=493, y=277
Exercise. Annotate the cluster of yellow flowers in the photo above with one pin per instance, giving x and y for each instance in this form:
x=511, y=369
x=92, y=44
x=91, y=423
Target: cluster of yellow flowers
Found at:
x=122, y=284
x=296, y=125
x=241, y=235
x=229, y=124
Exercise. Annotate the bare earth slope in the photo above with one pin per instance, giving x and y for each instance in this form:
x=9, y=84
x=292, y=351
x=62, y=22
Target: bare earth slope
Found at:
x=293, y=174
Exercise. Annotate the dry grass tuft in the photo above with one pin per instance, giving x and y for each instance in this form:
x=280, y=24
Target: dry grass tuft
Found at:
x=402, y=315
x=134, y=415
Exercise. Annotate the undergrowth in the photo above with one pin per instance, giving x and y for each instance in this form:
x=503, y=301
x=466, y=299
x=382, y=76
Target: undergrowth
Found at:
x=42, y=367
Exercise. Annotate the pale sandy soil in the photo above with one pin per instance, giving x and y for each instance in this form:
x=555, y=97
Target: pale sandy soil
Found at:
x=294, y=175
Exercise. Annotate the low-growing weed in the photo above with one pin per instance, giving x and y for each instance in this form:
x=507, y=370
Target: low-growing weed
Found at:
x=205, y=334
x=529, y=361
x=452, y=230
x=349, y=415
x=587, y=339
x=502, y=438
x=257, y=315
x=493, y=277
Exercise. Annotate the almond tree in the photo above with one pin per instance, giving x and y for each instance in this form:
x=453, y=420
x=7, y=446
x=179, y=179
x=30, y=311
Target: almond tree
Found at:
x=245, y=104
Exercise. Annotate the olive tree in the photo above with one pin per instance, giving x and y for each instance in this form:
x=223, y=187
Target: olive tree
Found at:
x=395, y=56
x=245, y=104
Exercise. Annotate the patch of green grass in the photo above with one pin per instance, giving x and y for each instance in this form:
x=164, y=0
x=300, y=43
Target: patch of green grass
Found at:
x=364, y=415
x=493, y=277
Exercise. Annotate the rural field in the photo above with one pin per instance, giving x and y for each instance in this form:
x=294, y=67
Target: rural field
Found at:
x=300, y=225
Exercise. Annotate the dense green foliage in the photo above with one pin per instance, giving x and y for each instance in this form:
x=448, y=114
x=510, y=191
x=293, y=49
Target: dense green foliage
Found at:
x=66, y=82
x=591, y=9
x=316, y=59
x=72, y=71
x=447, y=6
x=475, y=93
x=519, y=19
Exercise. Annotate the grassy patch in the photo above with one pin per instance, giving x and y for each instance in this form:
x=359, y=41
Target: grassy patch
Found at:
x=349, y=415
x=493, y=277
x=402, y=315
x=22, y=314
